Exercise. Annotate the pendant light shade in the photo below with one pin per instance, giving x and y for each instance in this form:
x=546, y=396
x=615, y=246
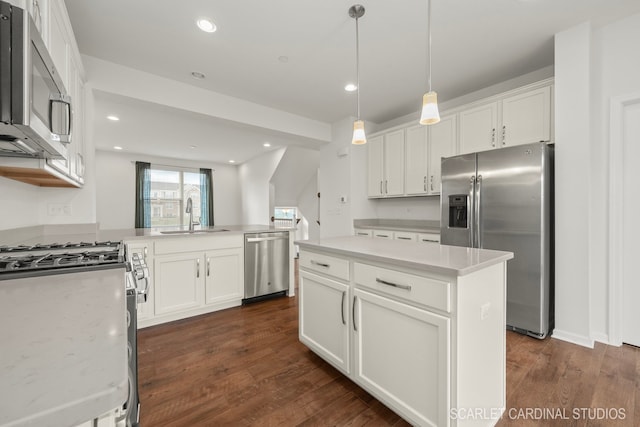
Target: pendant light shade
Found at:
x=358, y=133
x=430, y=114
x=357, y=11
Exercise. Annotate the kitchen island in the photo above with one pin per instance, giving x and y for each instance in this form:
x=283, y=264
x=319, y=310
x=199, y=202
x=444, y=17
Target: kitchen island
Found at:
x=419, y=326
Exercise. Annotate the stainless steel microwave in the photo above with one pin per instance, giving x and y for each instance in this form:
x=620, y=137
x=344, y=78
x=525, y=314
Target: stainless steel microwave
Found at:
x=35, y=109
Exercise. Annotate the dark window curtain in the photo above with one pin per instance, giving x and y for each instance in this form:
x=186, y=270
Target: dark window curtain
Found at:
x=143, y=195
x=206, y=197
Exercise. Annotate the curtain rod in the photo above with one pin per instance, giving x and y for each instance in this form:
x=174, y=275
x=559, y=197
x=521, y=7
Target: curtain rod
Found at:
x=171, y=166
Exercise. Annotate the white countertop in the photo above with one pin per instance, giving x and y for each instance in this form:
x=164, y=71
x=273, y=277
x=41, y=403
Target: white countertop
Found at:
x=432, y=257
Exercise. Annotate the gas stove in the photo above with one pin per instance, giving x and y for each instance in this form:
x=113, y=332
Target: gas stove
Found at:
x=43, y=258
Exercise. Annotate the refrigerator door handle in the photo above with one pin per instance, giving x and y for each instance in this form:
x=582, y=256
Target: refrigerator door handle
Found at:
x=478, y=211
x=471, y=213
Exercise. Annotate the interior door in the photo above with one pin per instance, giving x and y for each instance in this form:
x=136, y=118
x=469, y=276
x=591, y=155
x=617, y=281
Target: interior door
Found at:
x=631, y=253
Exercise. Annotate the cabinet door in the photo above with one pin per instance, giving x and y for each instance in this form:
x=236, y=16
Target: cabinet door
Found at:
x=375, y=166
x=179, y=282
x=526, y=118
x=145, y=310
x=394, y=163
x=442, y=143
x=402, y=357
x=478, y=128
x=224, y=275
x=416, y=160
x=324, y=318
x=58, y=42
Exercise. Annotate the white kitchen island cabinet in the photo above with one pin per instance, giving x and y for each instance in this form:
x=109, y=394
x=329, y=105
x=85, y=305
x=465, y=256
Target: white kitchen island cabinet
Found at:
x=420, y=327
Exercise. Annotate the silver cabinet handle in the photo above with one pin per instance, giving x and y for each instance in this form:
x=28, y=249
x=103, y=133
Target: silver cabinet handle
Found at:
x=381, y=192
x=395, y=285
x=198, y=268
x=429, y=240
x=504, y=133
x=478, y=210
x=425, y=183
x=431, y=180
x=344, y=294
x=493, y=137
x=208, y=266
x=353, y=313
x=403, y=238
x=382, y=235
x=320, y=264
x=362, y=234
x=386, y=187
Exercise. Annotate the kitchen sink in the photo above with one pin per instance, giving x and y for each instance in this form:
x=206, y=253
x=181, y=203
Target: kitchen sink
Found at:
x=193, y=231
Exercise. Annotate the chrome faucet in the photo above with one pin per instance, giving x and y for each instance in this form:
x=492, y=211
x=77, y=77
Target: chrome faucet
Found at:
x=189, y=210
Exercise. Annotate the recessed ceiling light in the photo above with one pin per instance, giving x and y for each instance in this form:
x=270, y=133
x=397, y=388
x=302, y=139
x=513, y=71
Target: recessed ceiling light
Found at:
x=350, y=87
x=113, y=118
x=283, y=59
x=193, y=146
x=206, y=25
x=266, y=144
x=117, y=147
x=197, y=75
x=232, y=161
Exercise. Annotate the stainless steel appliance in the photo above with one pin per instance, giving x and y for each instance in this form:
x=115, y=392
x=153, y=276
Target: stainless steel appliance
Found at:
x=503, y=199
x=35, y=110
x=266, y=265
x=63, y=333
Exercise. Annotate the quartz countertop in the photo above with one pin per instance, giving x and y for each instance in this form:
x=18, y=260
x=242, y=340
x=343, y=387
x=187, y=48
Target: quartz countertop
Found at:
x=407, y=225
x=64, y=233
x=432, y=257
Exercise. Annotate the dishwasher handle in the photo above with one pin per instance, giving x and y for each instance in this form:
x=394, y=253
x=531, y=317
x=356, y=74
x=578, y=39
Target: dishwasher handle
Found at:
x=263, y=239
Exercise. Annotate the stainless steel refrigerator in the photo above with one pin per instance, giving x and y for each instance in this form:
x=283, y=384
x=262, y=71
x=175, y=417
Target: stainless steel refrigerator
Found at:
x=503, y=199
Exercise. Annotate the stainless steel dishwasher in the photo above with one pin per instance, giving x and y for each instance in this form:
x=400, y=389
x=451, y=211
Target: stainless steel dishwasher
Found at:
x=266, y=265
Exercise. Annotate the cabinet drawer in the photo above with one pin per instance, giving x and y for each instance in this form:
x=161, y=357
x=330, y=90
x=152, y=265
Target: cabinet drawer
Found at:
x=325, y=264
x=417, y=289
x=429, y=237
x=400, y=235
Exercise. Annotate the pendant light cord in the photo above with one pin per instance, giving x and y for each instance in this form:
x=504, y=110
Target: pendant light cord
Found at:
x=428, y=41
x=358, y=68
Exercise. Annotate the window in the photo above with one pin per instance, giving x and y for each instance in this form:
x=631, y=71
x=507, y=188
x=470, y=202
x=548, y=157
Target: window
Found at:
x=284, y=217
x=162, y=194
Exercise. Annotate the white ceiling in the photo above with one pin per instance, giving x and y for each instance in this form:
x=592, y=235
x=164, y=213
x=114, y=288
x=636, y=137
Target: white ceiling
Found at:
x=475, y=44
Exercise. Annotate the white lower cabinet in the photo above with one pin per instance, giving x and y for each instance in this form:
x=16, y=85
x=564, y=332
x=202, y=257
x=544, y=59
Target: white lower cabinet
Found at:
x=179, y=283
x=324, y=318
x=190, y=276
x=401, y=356
x=430, y=346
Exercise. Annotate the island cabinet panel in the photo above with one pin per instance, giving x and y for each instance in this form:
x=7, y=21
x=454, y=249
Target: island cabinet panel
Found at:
x=324, y=318
x=402, y=356
x=419, y=326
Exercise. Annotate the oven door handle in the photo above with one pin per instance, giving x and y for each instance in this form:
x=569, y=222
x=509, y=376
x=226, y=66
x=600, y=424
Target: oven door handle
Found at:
x=142, y=294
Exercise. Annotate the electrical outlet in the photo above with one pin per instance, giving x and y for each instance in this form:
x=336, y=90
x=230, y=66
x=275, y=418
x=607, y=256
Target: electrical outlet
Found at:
x=484, y=310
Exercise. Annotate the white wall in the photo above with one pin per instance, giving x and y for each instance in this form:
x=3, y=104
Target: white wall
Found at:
x=335, y=174
x=592, y=66
x=19, y=204
x=308, y=207
x=572, y=154
x=115, y=201
x=255, y=188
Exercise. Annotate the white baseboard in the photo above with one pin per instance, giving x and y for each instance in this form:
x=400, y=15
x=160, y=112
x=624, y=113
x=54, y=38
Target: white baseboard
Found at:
x=573, y=338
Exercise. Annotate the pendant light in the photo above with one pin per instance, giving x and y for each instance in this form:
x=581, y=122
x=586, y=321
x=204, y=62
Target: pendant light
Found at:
x=430, y=114
x=356, y=11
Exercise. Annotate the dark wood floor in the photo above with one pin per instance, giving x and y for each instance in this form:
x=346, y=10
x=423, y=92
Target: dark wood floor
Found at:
x=245, y=366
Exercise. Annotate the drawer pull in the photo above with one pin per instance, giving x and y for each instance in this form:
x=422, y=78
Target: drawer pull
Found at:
x=320, y=264
x=404, y=238
x=395, y=285
x=344, y=293
x=429, y=240
x=353, y=313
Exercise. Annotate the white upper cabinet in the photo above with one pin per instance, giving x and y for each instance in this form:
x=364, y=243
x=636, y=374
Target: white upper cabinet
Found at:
x=478, y=128
x=526, y=118
x=521, y=118
x=385, y=154
x=416, y=160
x=442, y=143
